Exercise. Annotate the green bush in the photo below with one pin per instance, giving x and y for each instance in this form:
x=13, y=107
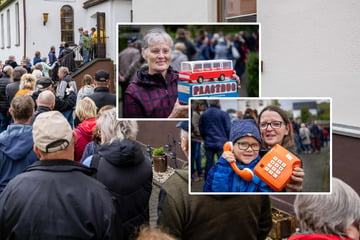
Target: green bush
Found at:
x=252, y=70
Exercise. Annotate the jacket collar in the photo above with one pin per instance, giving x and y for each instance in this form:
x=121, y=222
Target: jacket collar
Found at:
x=59, y=165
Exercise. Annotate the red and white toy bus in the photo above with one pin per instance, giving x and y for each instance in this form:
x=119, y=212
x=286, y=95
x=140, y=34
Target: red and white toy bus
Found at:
x=207, y=69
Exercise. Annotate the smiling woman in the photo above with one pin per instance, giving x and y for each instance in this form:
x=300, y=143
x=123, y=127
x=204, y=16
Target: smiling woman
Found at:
x=275, y=128
x=153, y=92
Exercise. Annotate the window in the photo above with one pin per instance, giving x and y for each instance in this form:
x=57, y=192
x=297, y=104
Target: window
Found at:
x=237, y=10
x=17, y=22
x=8, y=29
x=2, y=32
x=67, y=24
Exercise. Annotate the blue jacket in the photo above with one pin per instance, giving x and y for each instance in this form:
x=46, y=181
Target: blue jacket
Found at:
x=214, y=126
x=221, y=178
x=16, y=152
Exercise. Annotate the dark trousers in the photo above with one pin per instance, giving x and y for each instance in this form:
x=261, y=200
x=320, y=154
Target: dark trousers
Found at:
x=196, y=157
x=210, y=153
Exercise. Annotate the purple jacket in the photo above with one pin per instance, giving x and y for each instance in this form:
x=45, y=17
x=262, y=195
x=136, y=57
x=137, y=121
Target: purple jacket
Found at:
x=150, y=96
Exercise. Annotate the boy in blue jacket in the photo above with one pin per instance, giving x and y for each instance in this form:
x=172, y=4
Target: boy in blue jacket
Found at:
x=246, y=140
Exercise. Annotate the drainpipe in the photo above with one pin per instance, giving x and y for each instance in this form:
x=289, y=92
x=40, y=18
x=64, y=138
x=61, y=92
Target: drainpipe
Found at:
x=24, y=12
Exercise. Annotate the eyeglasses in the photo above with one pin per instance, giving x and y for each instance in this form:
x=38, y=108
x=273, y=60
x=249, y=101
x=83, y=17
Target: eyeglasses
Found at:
x=273, y=124
x=157, y=51
x=246, y=145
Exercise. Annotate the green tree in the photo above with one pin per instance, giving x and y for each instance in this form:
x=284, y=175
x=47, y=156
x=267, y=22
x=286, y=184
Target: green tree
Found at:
x=252, y=69
x=231, y=110
x=324, y=111
x=305, y=115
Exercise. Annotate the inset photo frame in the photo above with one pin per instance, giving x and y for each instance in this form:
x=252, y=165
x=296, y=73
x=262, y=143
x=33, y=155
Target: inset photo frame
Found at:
x=260, y=146
x=160, y=66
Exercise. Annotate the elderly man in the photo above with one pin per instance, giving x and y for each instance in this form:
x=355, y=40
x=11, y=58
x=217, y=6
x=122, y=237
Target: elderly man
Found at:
x=45, y=102
x=16, y=143
x=56, y=198
x=210, y=217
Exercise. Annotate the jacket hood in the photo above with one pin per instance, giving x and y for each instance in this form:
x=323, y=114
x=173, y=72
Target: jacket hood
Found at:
x=67, y=78
x=122, y=153
x=87, y=127
x=144, y=78
x=17, y=141
x=87, y=90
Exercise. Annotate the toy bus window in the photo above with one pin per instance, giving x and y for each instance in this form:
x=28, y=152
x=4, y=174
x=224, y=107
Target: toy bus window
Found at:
x=198, y=67
x=227, y=65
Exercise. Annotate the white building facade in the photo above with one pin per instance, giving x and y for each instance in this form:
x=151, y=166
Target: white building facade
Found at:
x=23, y=30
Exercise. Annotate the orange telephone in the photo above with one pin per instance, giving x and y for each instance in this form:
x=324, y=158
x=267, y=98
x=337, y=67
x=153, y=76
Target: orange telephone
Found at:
x=246, y=173
x=275, y=167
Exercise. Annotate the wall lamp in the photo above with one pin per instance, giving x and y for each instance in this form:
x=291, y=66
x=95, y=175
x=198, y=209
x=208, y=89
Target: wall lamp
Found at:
x=45, y=18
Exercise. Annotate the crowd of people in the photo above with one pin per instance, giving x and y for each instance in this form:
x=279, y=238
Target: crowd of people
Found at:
x=69, y=169
x=148, y=69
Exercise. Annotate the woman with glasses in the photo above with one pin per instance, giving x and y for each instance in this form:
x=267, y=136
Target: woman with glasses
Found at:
x=153, y=92
x=275, y=128
x=245, y=136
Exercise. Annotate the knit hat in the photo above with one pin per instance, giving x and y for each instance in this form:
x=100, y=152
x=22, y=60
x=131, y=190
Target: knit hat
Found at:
x=51, y=132
x=243, y=128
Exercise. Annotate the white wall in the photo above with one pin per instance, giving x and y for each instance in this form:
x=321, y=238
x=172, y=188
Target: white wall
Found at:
x=311, y=49
x=40, y=37
x=17, y=51
x=164, y=11
x=115, y=11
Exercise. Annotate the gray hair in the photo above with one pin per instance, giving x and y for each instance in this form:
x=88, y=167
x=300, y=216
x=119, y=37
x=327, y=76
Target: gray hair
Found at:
x=18, y=72
x=113, y=129
x=155, y=35
x=329, y=214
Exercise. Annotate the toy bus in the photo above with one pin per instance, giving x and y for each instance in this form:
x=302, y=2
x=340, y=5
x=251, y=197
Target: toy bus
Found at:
x=207, y=69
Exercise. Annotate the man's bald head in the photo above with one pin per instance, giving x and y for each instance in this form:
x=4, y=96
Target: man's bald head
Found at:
x=46, y=99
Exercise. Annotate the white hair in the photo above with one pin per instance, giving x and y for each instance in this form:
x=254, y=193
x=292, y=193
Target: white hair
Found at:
x=113, y=129
x=329, y=214
x=156, y=35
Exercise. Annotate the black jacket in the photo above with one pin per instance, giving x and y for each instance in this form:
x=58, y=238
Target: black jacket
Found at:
x=57, y=199
x=4, y=101
x=124, y=169
x=61, y=105
x=102, y=97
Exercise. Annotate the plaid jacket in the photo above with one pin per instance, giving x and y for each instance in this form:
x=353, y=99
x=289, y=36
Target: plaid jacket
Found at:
x=150, y=96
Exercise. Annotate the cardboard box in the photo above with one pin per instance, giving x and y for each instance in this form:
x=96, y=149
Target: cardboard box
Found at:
x=283, y=224
x=227, y=88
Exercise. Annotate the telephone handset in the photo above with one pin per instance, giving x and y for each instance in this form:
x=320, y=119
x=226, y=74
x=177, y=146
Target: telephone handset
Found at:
x=274, y=168
x=246, y=173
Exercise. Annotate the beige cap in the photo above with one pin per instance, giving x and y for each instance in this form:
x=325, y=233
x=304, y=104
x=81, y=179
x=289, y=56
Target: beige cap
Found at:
x=51, y=132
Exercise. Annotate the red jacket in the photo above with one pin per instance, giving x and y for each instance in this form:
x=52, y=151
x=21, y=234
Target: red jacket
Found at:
x=84, y=134
x=316, y=236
